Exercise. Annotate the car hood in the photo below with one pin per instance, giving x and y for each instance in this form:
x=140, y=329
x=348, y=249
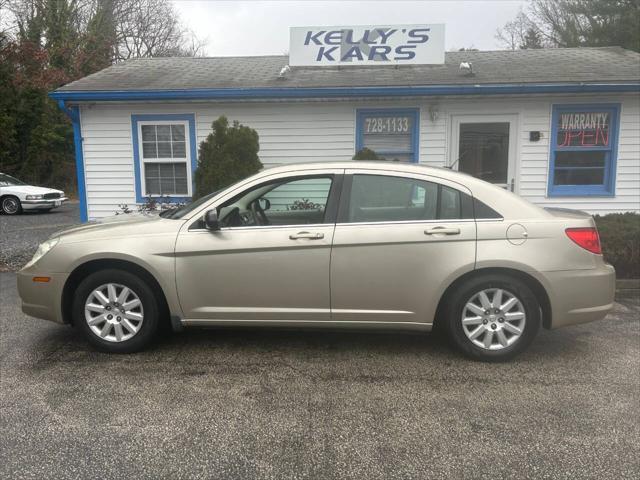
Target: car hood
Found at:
x=29, y=190
x=116, y=225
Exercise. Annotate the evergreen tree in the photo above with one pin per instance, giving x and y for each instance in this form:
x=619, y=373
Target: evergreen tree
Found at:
x=366, y=154
x=531, y=39
x=227, y=155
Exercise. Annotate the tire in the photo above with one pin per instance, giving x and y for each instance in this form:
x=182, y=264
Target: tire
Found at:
x=497, y=329
x=11, y=205
x=125, y=333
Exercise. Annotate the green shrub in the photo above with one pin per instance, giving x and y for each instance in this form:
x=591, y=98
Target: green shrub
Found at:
x=366, y=154
x=620, y=238
x=227, y=155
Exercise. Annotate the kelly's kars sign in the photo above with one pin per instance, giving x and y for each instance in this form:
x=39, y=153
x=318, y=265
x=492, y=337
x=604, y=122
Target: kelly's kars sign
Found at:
x=386, y=44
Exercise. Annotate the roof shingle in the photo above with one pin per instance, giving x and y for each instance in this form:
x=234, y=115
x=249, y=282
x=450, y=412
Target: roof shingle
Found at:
x=568, y=65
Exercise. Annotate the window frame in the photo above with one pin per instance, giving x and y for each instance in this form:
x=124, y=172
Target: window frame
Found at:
x=607, y=188
x=191, y=160
x=362, y=113
x=331, y=207
x=345, y=197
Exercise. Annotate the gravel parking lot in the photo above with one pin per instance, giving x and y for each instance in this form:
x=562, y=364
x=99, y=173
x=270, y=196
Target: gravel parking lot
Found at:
x=20, y=235
x=277, y=404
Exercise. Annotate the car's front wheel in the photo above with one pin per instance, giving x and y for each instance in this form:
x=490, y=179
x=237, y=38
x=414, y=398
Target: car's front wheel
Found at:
x=493, y=317
x=11, y=205
x=116, y=311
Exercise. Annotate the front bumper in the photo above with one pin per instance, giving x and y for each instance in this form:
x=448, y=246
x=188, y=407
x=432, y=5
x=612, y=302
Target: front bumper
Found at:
x=581, y=296
x=42, y=204
x=42, y=300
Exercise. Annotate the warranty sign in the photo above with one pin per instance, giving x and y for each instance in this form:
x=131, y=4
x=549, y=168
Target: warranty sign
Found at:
x=363, y=45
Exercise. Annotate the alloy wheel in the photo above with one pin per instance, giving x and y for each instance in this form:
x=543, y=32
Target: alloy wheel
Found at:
x=493, y=319
x=114, y=312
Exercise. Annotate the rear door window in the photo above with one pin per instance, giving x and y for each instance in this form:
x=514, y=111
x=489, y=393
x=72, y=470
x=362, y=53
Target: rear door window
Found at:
x=381, y=198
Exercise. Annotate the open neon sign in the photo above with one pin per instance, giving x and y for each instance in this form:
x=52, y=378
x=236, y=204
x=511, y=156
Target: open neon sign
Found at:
x=583, y=129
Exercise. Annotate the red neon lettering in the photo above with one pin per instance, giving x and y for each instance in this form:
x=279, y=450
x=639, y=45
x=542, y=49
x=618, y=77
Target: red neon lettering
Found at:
x=604, y=134
x=588, y=139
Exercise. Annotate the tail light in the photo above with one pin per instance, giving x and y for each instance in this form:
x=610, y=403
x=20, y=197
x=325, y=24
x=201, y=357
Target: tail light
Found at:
x=587, y=238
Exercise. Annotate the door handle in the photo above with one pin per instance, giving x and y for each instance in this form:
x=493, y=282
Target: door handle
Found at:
x=307, y=235
x=442, y=231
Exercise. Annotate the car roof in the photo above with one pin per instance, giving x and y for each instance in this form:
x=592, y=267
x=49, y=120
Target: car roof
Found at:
x=504, y=201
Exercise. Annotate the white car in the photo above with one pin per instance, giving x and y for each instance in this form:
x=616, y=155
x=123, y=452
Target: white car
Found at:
x=16, y=196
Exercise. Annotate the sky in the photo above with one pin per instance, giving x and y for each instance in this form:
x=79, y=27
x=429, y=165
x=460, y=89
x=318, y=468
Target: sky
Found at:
x=232, y=28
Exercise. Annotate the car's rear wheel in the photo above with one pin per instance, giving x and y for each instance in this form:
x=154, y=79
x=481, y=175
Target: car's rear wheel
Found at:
x=11, y=205
x=116, y=311
x=493, y=317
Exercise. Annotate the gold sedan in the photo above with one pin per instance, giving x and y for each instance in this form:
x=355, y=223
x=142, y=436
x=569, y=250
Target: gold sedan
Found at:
x=352, y=244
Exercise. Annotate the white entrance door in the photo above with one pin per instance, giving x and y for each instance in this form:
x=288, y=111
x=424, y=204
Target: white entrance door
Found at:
x=485, y=146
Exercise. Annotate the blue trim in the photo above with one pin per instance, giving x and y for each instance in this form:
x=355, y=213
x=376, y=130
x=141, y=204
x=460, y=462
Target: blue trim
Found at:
x=362, y=113
x=330, y=92
x=74, y=114
x=193, y=149
x=607, y=188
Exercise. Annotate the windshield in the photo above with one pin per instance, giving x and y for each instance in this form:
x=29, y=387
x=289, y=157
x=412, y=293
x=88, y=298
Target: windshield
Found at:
x=189, y=207
x=8, y=180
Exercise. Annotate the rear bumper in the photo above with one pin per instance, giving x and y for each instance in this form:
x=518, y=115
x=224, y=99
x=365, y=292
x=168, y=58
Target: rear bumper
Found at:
x=581, y=296
x=42, y=300
x=42, y=204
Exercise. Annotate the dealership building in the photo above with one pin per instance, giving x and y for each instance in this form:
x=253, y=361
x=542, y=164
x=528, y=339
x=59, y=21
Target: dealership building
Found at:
x=559, y=127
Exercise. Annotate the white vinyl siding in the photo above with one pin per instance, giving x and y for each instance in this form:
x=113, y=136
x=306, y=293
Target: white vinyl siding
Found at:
x=325, y=131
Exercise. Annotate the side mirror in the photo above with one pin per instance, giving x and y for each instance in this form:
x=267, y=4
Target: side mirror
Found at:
x=211, y=221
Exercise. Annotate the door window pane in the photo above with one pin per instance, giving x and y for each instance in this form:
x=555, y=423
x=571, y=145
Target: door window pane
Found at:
x=299, y=201
x=378, y=198
x=484, y=150
x=450, y=203
x=307, y=194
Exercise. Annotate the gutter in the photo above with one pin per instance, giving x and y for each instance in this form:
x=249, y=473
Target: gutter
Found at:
x=339, y=92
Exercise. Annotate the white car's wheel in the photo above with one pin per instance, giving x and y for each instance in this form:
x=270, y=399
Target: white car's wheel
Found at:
x=11, y=205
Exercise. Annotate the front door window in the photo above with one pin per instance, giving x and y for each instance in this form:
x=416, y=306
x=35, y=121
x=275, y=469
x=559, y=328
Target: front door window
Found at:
x=296, y=201
x=484, y=146
x=484, y=151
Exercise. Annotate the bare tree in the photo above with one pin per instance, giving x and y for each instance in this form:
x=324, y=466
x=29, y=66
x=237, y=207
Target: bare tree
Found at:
x=520, y=33
x=113, y=29
x=151, y=28
x=574, y=23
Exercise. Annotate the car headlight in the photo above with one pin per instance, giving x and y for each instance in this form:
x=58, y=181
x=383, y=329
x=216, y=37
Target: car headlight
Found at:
x=43, y=248
x=35, y=197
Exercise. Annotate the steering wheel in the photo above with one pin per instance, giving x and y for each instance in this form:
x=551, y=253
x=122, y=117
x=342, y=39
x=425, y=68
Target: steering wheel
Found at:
x=259, y=212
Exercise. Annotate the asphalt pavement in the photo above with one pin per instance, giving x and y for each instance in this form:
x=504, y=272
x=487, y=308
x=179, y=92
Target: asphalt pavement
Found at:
x=317, y=405
x=20, y=235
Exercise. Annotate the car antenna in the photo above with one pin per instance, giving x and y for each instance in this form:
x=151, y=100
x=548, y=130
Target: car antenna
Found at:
x=450, y=167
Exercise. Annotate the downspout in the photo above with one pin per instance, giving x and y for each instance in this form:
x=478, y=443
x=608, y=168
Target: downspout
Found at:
x=74, y=114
